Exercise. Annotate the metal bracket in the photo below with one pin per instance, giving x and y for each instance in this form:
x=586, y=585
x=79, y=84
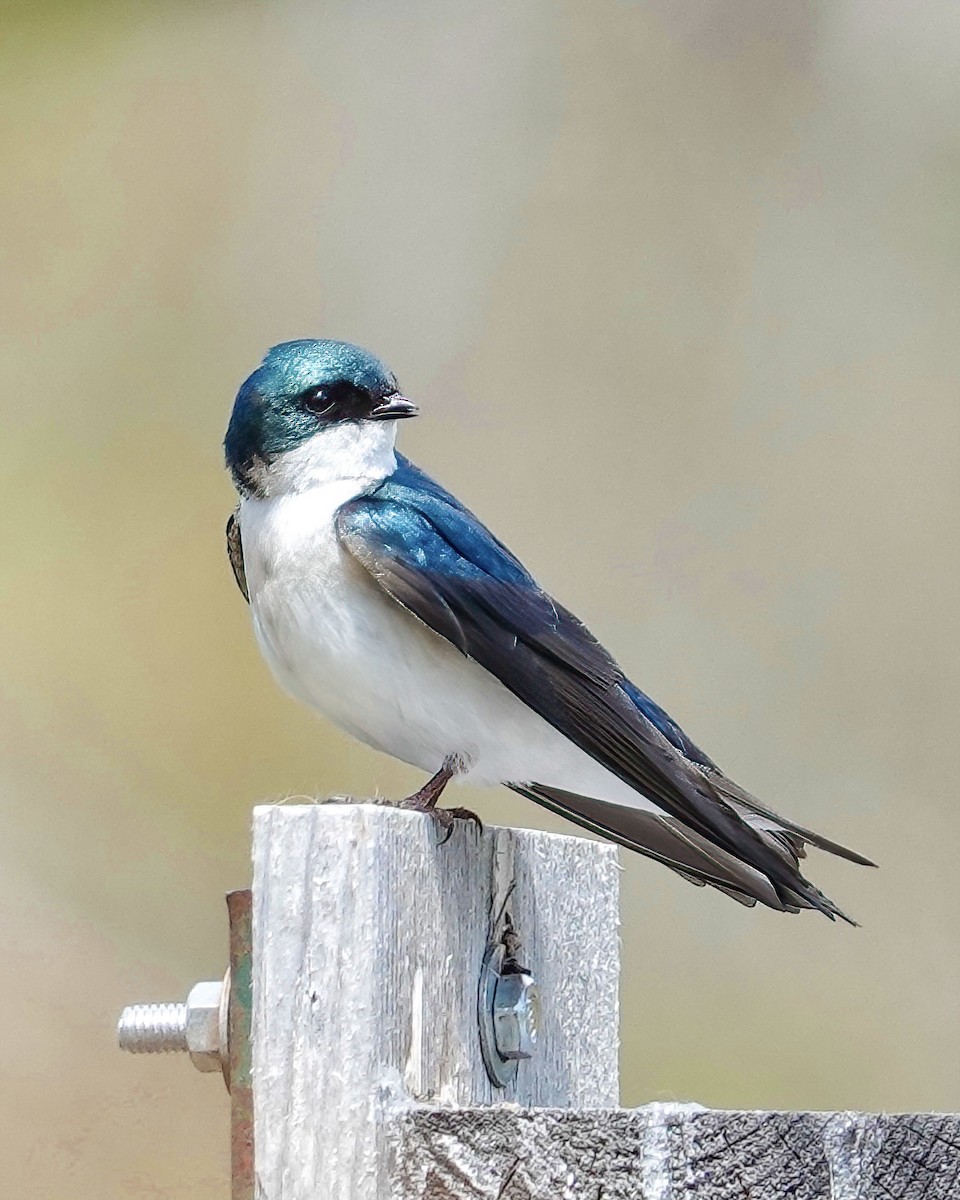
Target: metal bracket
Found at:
x=213, y=1026
x=239, y=1054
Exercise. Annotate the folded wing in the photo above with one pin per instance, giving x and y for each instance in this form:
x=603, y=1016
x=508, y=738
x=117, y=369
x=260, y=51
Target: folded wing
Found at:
x=435, y=558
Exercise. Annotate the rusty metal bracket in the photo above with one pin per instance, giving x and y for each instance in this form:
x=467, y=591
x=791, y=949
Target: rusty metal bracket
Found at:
x=236, y=1070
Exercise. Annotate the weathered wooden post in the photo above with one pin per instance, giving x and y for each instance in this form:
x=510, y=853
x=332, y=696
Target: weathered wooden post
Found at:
x=381, y=1038
x=369, y=944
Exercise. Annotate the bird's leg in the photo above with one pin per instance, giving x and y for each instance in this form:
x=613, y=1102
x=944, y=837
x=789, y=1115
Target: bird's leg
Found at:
x=425, y=799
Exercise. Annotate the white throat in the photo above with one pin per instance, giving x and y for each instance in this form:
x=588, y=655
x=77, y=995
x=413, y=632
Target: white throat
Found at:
x=351, y=451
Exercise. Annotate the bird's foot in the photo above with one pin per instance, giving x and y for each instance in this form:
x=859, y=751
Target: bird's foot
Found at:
x=425, y=800
x=443, y=817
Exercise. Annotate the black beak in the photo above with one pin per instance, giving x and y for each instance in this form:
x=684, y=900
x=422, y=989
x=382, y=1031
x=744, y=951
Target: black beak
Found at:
x=392, y=408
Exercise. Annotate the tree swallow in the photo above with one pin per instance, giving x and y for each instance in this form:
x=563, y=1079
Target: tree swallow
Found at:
x=381, y=601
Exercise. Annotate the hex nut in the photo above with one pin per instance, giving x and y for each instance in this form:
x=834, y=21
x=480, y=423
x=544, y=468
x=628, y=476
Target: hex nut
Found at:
x=203, y=1025
x=516, y=1016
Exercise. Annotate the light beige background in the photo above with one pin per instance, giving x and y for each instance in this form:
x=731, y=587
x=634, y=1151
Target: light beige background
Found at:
x=676, y=285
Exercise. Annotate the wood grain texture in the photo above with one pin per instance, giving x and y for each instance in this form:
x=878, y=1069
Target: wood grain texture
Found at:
x=368, y=938
x=673, y=1152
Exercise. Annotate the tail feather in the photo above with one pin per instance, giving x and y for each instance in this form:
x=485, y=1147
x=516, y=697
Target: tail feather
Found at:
x=699, y=860
x=745, y=804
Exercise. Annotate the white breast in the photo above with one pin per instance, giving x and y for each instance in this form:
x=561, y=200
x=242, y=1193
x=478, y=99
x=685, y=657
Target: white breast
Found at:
x=335, y=641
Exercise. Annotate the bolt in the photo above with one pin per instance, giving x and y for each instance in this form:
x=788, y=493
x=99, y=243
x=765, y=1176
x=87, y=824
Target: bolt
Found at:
x=516, y=1016
x=198, y=1026
x=153, y=1028
x=205, y=1010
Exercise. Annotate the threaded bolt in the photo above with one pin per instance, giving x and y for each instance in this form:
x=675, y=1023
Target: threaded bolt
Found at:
x=153, y=1028
x=198, y=1026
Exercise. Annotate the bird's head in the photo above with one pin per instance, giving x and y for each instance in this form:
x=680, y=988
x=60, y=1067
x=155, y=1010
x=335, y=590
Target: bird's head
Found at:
x=313, y=411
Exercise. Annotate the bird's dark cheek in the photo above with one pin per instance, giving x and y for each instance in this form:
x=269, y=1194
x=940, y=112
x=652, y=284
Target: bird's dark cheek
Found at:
x=249, y=478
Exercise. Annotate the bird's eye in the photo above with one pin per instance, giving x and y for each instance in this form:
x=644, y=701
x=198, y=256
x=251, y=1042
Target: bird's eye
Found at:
x=318, y=400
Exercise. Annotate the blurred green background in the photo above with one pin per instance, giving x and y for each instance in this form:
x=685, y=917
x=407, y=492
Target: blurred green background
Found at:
x=692, y=265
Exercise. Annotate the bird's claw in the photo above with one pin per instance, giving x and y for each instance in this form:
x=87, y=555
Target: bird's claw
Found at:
x=444, y=817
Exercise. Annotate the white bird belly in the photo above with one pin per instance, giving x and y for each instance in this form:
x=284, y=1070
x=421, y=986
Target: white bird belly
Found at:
x=336, y=642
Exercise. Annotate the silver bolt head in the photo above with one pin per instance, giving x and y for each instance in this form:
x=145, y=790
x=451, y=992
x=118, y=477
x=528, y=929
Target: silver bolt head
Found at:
x=203, y=1025
x=516, y=1016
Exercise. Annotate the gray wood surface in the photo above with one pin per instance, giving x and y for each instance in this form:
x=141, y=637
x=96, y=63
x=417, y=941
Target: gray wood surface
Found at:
x=368, y=938
x=368, y=1084
x=673, y=1152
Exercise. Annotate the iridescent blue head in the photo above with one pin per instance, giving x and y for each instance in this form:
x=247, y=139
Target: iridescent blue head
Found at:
x=303, y=389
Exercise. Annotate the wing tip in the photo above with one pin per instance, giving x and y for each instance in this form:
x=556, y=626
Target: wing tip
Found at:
x=739, y=880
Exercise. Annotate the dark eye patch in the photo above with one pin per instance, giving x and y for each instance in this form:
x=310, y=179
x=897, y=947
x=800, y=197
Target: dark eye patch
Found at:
x=338, y=401
x=318, y=400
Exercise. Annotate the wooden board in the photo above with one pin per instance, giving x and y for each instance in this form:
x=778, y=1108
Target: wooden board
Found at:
x=368, y=937
x=674, y=1152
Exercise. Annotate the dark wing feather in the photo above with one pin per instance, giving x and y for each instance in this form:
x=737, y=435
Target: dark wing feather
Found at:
x=433, y=557
x=664, y=839
x=758, y=814
x=235, y=552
